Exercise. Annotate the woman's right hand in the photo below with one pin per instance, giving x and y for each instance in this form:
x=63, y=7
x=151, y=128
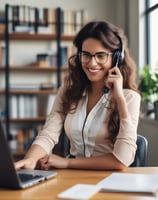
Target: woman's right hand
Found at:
x=26, y=163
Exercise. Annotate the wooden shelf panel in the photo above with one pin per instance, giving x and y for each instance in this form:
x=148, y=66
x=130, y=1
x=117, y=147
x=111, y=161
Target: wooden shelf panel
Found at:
x=67, y=37
x=31, y=120
x=36, y=36
x=33, y=92
x=34, y=68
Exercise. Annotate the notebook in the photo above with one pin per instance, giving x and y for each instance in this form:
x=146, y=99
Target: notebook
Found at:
x=17, y=179
x=130, y=182
x=79, y=192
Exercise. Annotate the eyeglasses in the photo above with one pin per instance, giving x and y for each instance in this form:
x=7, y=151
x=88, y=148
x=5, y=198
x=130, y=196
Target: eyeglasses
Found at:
x=100, y=57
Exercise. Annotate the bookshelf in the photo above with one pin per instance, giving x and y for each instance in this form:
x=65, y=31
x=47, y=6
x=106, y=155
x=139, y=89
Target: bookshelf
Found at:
x=36, y=36
x=10, y=70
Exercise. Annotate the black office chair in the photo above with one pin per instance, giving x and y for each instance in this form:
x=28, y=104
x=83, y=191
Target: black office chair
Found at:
x=63, y=146
x=141, y=152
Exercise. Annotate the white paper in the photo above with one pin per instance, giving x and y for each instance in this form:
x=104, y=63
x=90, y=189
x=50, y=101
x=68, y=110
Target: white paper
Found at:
x=79, y=192
x=130, y=182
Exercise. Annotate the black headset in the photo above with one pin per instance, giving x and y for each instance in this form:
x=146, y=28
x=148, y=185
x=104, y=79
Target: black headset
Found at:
x=119, y=54
x=117, y=60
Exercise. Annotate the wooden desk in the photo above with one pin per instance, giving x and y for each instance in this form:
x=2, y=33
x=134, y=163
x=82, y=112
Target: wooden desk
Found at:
x=68, y=178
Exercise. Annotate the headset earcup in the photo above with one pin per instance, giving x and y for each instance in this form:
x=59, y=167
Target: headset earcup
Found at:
x=115, y=58
x=78, y=58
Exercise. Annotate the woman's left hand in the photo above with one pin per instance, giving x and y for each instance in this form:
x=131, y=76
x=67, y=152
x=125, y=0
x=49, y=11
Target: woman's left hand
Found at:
x=52, y=161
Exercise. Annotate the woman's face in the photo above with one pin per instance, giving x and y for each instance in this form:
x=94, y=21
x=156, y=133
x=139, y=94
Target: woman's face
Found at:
x=95, y=68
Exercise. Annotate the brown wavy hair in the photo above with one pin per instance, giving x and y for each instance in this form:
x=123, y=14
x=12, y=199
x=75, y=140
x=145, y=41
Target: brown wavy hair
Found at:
x=76, y=81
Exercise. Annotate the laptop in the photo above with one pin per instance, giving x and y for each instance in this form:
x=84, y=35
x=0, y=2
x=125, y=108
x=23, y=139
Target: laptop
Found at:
x=17, y=179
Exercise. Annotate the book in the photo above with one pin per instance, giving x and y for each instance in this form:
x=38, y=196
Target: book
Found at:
x=130, y=182
x=51, y=99
x=79, y=192
x=23, y=86
x=63, y=53
x=2, y=54
x=52, y=19
x=14, y=106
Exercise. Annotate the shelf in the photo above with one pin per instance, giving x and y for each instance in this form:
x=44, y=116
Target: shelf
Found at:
x=31, y=120
x=34, y=92
x=36, y=36
x=67, y=37
x=33, y=68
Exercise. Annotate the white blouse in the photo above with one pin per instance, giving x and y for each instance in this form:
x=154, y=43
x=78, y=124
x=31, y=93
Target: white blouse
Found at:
x=89, y=135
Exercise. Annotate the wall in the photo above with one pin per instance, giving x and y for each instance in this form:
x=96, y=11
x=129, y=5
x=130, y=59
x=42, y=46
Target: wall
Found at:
x=149, y=128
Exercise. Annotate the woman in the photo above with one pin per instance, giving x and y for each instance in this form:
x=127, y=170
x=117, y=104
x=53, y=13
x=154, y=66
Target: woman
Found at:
x=98, y=105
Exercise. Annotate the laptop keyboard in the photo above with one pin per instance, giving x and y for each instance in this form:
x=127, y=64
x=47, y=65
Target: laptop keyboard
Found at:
x=27, y=177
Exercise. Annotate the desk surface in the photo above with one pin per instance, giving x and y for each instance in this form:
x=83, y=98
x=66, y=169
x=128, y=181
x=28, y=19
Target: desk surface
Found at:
x=68, y=178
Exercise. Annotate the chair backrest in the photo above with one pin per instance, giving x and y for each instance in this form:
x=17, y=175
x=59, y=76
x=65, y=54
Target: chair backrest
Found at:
x=141, y=152
x=63, y=146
